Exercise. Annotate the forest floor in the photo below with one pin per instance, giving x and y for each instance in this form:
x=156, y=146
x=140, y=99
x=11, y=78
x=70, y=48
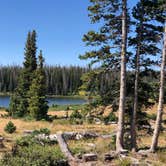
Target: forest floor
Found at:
x=98, y=146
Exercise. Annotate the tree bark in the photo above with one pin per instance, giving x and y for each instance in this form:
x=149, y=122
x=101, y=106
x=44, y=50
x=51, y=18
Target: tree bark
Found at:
x=120, y=132
x=134, y=113
x=161, y=99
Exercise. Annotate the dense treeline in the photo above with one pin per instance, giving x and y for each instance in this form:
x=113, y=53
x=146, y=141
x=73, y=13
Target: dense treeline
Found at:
x=8, y=78
x=68, y=80
x=59, y=80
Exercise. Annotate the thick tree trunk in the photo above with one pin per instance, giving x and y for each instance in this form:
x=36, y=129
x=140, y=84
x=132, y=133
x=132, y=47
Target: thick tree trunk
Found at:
x=120, y=132
x=161, y=98
x=134, y=113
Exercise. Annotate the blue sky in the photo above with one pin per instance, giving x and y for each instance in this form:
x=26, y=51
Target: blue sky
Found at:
x=60, y=25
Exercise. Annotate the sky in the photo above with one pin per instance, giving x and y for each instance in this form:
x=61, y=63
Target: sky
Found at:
x=60, y=25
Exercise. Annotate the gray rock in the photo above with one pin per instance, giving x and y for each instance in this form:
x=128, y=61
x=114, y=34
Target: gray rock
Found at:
x=110, y=156
x=90, y=157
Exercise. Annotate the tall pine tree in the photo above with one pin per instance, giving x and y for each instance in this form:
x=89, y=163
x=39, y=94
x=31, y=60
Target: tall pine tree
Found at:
x=158, y=13
x=25, y=78
x=37, y=94
x=145, y=42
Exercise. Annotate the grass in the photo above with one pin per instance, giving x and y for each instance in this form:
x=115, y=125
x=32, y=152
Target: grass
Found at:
x=102, y=146
x=67, y=107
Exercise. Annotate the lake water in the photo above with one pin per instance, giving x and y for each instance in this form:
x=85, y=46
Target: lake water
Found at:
x=4, y=101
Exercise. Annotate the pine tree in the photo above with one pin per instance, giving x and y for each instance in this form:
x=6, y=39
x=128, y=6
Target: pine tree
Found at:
x=37, y=94
x=120, y=132
x=25, y=78
x=109, y=44
x=159, y=6
x=104, y=43
x=145, y=43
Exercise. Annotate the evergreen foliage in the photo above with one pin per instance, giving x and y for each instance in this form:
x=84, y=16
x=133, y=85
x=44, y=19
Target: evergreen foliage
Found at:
x=37, y=94
x=29, y=97
x=25, y=78
x=10, y=127
x=60, y=80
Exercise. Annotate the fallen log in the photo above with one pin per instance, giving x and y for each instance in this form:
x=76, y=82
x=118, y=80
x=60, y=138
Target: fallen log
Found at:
x=64, y=147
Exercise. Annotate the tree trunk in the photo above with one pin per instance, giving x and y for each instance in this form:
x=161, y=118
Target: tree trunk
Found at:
x=120, y=132
x=134, y=113
x=161, y=98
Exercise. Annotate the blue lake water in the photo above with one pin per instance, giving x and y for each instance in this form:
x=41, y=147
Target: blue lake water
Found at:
x=5, y=100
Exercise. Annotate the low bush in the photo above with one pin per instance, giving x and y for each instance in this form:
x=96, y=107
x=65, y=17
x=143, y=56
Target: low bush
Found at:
x=35, y=155
x=28, y=150
x=45, y=131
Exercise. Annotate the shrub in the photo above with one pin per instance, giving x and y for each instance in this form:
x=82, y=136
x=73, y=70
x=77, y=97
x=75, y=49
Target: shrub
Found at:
x=35, y=155
x=76, y=118
x=76, y=115
x=45, y=131
x=110, y=118
x=151, y=116
x=10, y=127
x=29, y=151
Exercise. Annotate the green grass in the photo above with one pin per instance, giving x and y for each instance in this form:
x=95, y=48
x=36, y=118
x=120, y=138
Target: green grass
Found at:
x=67, y=107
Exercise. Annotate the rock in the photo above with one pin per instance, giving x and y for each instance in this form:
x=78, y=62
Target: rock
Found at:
x=97, y=121
x=89, y=135
x=79, y=136
x=69, y=135
x=110, y=156
x=90, y=157
x=123, y=153
x=53, y=137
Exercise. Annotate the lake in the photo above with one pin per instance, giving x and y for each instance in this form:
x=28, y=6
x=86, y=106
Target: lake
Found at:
x=4, y=101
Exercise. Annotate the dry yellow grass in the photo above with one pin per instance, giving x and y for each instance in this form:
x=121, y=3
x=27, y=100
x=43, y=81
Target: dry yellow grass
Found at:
x=63, y=125
x=55, y=126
